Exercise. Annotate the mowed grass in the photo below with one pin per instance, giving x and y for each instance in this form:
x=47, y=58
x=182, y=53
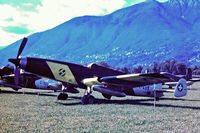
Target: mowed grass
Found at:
x=31, y=112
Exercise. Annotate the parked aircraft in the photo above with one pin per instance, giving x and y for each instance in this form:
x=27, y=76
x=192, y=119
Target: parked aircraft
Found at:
x=189, y=78
x=94, y=77
x=26, y=80
x=6, y=70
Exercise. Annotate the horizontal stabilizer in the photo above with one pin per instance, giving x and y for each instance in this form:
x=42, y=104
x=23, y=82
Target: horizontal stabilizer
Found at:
x=179, y=91
x=173, y=84
x=195, y=79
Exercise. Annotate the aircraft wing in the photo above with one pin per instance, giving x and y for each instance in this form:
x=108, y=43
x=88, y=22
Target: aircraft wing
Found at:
x=134, y=80
x=5, y=84
x=8, y=76
x=195, y=79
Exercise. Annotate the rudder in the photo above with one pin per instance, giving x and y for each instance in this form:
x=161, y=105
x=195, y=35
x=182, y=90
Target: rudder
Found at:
x=181, y=88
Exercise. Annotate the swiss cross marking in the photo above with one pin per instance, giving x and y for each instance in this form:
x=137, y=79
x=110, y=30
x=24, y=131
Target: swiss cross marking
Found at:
x=180, y=87
x=62, y=72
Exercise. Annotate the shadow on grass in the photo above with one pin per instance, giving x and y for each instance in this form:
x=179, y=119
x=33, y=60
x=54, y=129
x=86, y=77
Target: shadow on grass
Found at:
x=142, y=102
x=41, y=93
x=193, y=89
x=29, y=93
x=179, y=99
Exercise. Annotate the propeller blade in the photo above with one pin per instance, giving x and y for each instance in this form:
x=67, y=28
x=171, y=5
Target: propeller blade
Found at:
x=14, y=61
x=23, y=44
x=17, y=72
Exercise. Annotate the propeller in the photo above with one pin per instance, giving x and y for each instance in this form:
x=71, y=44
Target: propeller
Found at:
x=21, y=48
x=16, y=77
x=17, y=61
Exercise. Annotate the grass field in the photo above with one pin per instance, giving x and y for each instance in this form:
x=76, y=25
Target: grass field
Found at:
x=31, y=112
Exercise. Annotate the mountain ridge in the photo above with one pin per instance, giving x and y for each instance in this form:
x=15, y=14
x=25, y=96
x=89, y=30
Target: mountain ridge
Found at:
x=138, y=35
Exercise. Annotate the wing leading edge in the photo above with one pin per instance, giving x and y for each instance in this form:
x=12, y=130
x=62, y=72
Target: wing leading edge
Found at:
x=134, y=80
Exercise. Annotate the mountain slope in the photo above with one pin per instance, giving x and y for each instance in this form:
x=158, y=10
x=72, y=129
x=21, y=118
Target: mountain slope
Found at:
x=140, y=34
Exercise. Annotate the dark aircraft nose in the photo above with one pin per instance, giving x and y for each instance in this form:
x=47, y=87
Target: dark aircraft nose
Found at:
x=15, y=61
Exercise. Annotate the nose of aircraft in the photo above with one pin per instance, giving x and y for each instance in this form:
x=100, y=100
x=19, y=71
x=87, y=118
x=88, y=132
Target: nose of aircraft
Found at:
x=15, y=61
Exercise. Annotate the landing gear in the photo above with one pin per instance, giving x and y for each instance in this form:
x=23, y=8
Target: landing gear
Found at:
x=157, y=98
x=62, y=96
x=88, y=98
x=91, y=99
x=84, y=99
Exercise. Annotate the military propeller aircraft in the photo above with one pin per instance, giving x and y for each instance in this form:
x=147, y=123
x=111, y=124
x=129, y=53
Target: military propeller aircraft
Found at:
x=6, y=70
x=190, y=80
x=94, y=77
x=26, y=80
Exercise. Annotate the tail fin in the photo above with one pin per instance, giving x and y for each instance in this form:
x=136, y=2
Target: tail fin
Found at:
x=181, y=88
x=188, y=75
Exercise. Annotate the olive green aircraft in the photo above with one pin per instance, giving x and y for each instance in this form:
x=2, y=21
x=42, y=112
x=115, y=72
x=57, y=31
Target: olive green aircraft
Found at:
x=26, y=80
x=108, y=81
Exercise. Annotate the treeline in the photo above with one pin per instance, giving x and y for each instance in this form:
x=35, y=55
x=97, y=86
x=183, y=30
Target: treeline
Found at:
x=170, y=66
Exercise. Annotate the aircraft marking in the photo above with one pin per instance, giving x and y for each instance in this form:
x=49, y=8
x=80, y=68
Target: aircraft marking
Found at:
x=180, y=87
x=62, y=72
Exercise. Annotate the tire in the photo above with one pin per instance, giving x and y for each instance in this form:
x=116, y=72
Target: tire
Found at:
x=84, y=99
x=91, y=100
x=65, y=96
x=62, y=96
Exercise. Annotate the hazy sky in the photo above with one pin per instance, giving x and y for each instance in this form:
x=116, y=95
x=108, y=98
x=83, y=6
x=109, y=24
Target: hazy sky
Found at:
x=19, y=18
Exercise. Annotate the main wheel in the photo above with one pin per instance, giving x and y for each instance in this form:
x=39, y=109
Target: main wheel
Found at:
x=91, y=100
x=62, y=96
x=84, y=99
